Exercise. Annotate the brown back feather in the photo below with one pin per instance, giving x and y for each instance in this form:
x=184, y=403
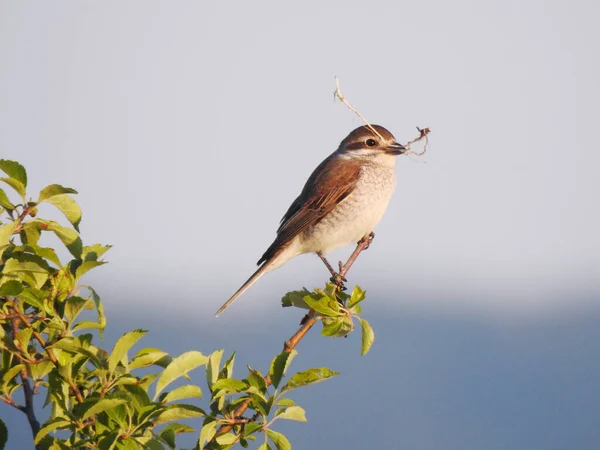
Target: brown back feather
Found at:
x=330, y=183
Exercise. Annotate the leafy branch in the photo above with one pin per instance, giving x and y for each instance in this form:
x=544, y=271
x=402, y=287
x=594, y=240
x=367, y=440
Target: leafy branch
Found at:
x=317, y=311
x=103, y=398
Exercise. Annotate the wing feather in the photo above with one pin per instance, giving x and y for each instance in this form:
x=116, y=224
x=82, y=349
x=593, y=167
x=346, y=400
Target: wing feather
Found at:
x=331, y=182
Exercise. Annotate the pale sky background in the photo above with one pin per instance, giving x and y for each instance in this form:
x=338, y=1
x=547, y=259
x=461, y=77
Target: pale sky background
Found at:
x=189, y=127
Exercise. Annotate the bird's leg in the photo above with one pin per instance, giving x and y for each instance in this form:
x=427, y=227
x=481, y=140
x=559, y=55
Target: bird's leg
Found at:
x=335, y=276
x=331, y=271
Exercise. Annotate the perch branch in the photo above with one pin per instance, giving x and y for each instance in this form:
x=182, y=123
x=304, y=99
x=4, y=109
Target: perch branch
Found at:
x=295, y=339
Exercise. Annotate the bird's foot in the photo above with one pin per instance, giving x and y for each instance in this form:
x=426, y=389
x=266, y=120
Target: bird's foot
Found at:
x=368, y=238
x=339, y=281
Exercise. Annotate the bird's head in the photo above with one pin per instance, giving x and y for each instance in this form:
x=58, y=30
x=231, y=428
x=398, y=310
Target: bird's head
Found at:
x=370, y=142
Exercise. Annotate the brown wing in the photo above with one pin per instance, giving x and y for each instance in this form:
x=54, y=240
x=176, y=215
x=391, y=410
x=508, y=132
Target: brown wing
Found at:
x=331, y=182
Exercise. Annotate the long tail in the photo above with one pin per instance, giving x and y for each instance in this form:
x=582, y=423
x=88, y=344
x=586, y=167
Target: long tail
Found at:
x=255, y=276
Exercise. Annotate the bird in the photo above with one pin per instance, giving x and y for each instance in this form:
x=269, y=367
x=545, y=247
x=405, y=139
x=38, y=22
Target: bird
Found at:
x=342, y=201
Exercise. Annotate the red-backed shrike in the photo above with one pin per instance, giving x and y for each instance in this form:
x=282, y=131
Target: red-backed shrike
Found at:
x=342, y=201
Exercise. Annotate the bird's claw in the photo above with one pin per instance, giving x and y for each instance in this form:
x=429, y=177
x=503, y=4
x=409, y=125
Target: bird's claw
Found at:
x=339, y=281
x=369, y=239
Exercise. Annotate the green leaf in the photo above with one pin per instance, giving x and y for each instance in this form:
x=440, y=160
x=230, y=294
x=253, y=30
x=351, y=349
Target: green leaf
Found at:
x=207, y=432
x=333, y=327
x=87, y=266
x=14, y=170
x=149, y=356
x=264, y=446
x=87, y=325
x=321, y=307
x=168, y=433
x=102, y=405
x=30, y=233
x=179, y=412
x=279, y=366
x=187, y=391
x=29, y=272
x=212, y=367
x=337, y=327
x=9, y=375
x=180, y=366
x=293, y=413
x=94, y=251
x=7, y=343
x=23, y=337
x=144, y=442
x=252, y=427
x=16, y=185
x=280, y=441
x=12, y=288
x=227, y=369
x=62, y=284
x=69, y=207
x=138, y=396
x=50, y=426
x=296, y=298
x=74, y=305
x=123, y=344
x=99, y=308
x=229, y=385
x=179, y=428
x=226, y=440
x=41, y=369
x=5, y=202
x=119, y=415
x=107, y=441
x=367, y=336
x=358, y=295
x=6, y=232
x=68, y=236
x=44, y=252
x=53, y=190
x=34, y=297
x=257, y=380
x=311, y=376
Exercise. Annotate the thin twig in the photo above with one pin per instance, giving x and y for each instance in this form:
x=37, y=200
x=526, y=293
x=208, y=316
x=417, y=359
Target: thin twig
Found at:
x=338, y=94
x=423, y=132
x=28, y=409
x=11, y=402
x=38, y=337
x=295, y=339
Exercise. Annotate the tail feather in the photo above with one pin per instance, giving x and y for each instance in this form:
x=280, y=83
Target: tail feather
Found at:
x=255, y=276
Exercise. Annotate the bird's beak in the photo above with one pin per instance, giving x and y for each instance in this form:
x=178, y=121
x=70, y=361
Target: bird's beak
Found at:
x=395, y=149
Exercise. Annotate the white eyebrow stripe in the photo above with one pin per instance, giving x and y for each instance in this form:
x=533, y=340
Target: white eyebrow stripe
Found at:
x=361, y=152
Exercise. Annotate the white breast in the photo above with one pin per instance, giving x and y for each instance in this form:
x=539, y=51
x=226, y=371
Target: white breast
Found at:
x=357, y=215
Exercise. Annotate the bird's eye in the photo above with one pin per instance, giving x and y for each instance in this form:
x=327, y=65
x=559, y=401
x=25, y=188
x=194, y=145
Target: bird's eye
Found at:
x=371, y=142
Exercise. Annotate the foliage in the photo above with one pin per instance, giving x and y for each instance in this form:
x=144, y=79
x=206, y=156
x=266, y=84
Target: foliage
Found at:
x=105, y=399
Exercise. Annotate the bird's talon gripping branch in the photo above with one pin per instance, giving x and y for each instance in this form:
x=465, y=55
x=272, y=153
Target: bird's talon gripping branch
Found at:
x=368, y=239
